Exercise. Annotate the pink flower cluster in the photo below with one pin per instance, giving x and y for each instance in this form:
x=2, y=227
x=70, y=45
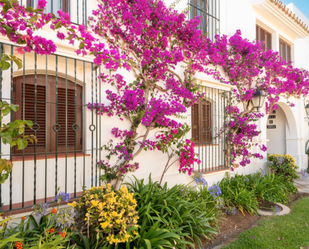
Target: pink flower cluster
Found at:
x=187, y=158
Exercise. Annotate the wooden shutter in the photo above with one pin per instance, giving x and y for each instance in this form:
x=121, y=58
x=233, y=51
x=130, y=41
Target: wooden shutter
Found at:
x=264, y=36
x=268, y=41
x=195, y=123
x=65, y=114
x=67, y=117
x=46, y=112
x=288, y=52
x=285, y=51
x=201, y=123
x=27, y=91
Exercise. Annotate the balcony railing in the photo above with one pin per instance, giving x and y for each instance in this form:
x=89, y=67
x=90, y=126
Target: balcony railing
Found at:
x=78, y=9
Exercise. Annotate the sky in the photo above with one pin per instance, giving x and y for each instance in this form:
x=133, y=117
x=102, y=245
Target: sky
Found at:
x=302, y=5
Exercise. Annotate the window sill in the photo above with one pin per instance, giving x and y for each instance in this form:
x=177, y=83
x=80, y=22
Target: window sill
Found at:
x=18, y=158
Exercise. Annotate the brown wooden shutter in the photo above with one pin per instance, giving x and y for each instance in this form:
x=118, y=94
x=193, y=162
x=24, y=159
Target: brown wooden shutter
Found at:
x=207, y=121
x=28, y=92
x=268, y=41
x=201, y=123
x=195, y=123
x=288, y=53
x=65, y=111
x=46, y=112
x=70, y=114
x=65, y=6
x=264, y=36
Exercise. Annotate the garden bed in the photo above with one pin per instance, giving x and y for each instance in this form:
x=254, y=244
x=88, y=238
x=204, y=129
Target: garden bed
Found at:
x=232, y=225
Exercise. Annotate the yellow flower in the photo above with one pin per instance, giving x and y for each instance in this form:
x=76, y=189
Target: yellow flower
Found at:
x=101, y=205
x=73, y=204
x=94, y=203
x=104, y=224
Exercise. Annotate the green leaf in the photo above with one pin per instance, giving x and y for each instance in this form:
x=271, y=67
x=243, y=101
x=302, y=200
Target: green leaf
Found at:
x=14, y=107
x=7, y=28
x=58, y=25
x=21, y=143
x=81, y=45
x=29, y=123
x=18, y=62
x=6, y=110
x=6, y=7
x=34, y=18
x=7, y=137
x=5, y=65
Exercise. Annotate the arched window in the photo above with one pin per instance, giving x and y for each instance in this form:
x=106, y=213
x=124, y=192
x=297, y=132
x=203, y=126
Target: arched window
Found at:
x=201, y=123
x=55, y=111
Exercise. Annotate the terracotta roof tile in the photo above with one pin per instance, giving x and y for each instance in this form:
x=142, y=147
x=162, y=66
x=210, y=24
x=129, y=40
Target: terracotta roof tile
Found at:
x=289, y=13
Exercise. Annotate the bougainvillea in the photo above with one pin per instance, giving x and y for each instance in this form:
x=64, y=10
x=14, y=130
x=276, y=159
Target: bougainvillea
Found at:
x=163, y=51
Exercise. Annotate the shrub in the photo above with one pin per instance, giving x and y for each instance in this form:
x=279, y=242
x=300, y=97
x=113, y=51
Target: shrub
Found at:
x=270, y=187
x=282, y=165
x=107, y=215
x=181, y=211
x=235, y=193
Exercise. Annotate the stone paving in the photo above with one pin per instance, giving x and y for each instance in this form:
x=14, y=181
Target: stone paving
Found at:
x=302, y=184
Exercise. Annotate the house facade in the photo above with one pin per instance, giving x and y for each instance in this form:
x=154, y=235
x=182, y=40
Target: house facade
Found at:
x=53, y=91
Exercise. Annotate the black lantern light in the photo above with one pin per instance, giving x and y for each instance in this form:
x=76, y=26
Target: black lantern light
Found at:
x=258, y=99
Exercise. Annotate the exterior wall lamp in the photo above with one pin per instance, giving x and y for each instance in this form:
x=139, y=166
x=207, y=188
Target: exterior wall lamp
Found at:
x=259, y=99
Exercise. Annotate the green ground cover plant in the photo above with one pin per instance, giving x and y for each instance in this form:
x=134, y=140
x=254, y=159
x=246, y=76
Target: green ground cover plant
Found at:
x=278, y=232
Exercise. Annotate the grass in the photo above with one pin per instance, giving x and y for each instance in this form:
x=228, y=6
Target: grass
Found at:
x=287, y=231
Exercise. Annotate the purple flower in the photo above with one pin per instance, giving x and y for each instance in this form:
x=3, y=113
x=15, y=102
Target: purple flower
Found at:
x=215, y=191
x=62, y=196
x=40, y=208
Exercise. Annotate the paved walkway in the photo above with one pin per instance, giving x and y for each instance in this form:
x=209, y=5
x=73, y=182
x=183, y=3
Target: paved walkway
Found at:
x=302, y=184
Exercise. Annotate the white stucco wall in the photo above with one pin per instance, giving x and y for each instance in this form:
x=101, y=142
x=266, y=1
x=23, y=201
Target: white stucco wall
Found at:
x=232, y=18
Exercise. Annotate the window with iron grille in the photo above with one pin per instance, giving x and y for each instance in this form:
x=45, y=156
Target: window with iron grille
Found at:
x=209, y=11
x=52, y=6
x=263, y=36
x=284, y=50
x=56, y=109
x=201, y=123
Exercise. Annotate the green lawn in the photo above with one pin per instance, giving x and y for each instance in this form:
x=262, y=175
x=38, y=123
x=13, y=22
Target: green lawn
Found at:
x=287, y=231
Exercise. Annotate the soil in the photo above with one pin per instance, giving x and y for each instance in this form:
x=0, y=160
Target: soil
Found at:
x=232, y=225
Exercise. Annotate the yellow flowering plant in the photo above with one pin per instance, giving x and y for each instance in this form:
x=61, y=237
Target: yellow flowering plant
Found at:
x=110, y=213
x=283, y=165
